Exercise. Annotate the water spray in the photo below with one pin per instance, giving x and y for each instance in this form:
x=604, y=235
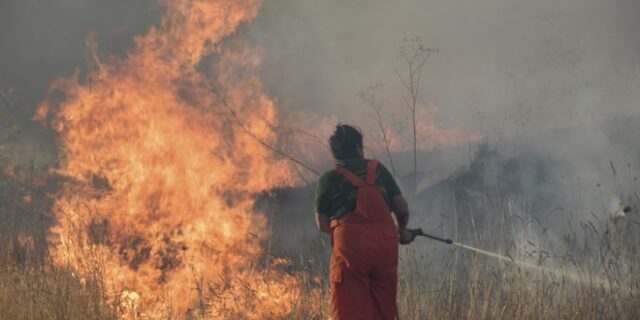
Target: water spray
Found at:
x=573, y=276
x=419, y=232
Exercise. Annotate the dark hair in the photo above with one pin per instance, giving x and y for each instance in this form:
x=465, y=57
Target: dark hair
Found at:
x=345, y=142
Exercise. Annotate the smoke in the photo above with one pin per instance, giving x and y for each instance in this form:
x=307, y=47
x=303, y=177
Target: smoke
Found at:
x=41, y=41
x=44, y=40
x=506, y=67
x=553, y=85
x=554, y=78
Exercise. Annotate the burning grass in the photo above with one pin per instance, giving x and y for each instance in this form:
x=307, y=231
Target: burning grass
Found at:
x=439, y=283
x=46, y=292
x=31, y=287
x=154, y=216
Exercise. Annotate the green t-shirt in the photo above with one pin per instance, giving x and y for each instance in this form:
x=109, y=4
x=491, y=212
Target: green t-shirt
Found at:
x=336, y=196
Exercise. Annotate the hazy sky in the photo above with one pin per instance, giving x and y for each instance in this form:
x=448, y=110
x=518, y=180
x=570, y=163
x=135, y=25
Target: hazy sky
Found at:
x=573, y=58
x=43, y=40
x=505, y=68
x=534, y=62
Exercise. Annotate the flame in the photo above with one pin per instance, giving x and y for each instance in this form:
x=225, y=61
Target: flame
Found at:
x=159, y=201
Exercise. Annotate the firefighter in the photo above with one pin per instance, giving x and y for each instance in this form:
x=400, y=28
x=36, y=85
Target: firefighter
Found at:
x=353, y=205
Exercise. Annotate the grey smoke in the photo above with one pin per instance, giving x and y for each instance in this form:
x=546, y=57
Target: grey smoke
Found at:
x=555, y=78
x=505, y=66
x=553, y=85
x=44, y=40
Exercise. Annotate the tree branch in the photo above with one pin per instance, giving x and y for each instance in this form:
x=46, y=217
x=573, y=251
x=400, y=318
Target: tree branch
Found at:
x=369, y=97
x=239, y=123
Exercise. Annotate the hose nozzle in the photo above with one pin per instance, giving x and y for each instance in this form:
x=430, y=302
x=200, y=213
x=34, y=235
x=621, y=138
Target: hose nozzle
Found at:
x=419, y=232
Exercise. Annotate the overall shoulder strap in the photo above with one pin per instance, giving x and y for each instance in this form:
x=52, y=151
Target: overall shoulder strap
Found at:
x=350, y=176
x=372, y=166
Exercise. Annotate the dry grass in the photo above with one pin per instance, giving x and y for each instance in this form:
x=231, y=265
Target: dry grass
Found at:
x=43, y=292
x=597, y=283
x=436, y=282
x=30, y=286
x=592, y=275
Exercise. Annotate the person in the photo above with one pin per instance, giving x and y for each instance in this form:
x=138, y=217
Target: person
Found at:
x=353, y=205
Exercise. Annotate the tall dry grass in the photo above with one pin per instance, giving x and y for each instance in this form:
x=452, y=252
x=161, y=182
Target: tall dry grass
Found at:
x=31, y=287
x=590, y=273
x=590, y=278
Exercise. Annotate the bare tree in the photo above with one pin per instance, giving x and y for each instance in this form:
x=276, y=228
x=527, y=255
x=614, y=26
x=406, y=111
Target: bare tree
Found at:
x=370, y=97
x=414, y=54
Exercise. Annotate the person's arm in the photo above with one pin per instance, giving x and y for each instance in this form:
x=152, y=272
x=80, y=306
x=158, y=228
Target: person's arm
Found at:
x=398, y=205
x=322, y=221
x=323, y=204
x=401, y=210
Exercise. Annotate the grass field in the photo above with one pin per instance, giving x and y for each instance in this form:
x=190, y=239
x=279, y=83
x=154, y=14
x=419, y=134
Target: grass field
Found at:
x=591, y=274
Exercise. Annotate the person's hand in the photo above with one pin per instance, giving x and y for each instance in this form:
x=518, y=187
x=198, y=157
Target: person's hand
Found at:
x=406, y=236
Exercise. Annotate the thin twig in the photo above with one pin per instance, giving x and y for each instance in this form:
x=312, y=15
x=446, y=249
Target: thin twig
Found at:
x=244, y=128
x=369, y=97
x=310, y=135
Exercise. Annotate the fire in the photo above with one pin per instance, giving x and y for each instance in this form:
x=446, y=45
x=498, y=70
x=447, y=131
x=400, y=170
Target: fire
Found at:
x=159, y=200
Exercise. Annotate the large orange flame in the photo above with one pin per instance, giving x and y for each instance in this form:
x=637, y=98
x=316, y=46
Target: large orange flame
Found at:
x=162, y=186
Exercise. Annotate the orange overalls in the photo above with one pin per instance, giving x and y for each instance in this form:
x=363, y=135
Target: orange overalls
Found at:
x=364, y=259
